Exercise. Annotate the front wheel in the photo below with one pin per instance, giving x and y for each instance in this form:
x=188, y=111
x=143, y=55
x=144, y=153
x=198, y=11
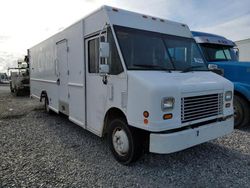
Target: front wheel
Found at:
x=123, y=142
x=241, y=112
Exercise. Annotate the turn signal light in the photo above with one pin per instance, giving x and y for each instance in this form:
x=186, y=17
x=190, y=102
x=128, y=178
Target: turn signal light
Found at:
x=228, y=105
x=167, y=116
x=146, y=114
x=145, y=121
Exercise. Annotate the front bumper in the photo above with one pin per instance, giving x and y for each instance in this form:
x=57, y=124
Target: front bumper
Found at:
x=177, y=141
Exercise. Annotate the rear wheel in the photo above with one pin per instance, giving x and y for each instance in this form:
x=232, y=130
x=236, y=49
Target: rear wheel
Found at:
x=241, y=112
x=17, y=92
x=11, y=88
x=46, y=105
x=123, y=142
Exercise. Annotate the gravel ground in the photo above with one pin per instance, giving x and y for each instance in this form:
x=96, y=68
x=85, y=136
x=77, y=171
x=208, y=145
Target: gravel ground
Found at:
x=41, y=150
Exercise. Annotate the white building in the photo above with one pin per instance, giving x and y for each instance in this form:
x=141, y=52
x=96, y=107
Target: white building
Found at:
x=244, y=48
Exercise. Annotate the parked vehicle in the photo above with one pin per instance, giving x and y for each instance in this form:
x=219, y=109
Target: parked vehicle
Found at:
x=19, y=78
x=4, y=78
x=139, y=79
x=223, y=53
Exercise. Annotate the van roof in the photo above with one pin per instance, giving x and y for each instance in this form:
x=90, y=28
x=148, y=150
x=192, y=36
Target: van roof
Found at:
x=142, y=21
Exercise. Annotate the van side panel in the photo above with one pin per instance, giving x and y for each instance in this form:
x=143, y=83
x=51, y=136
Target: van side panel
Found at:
x=44, y=66
x=43, y=74
x=76, y=74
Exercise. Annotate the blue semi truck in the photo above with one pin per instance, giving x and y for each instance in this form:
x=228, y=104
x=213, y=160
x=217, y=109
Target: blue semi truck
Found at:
x=223, y=54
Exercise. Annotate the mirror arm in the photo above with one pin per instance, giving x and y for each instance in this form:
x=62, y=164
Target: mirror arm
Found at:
x=100, y=34
x=103, y=28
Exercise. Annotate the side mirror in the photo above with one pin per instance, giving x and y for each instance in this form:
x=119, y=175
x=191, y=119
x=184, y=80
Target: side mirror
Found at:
x=24, y=65
x=103, y=69
x=104, y=50
x=237, y=53
x=212, y=67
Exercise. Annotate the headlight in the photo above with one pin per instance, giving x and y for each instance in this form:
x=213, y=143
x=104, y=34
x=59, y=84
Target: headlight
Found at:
x=228, y=95
x=167, y=103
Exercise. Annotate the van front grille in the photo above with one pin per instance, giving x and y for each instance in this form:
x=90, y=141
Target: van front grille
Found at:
x=200, y=107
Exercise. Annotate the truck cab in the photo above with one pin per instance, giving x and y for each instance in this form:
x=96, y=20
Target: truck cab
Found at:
x=223, y=53
x=19, y=78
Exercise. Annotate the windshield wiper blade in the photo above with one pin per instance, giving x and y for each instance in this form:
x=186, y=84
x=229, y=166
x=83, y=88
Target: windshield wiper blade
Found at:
x=146, y=65
x=191, y=68
x=151, y=66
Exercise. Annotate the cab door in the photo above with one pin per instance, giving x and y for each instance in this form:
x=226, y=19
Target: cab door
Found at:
x=103, y=92
x=96, y=90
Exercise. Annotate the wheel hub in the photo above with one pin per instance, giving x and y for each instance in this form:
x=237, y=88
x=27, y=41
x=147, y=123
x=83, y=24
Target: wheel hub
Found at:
x=237, y=114
x=120, y=142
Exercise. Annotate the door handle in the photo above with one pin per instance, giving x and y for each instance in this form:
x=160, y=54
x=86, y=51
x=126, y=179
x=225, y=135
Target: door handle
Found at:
x=105, y=79
x=58, y=81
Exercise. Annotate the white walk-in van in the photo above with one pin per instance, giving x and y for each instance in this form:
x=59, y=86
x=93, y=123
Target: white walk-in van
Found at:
x=138, y=79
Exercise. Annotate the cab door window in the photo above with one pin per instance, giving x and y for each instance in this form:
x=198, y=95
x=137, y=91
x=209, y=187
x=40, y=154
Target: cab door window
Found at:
x=93, y=55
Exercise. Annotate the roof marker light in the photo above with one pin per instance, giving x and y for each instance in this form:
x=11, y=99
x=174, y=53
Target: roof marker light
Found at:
x=115, y=10
x=144, y=16
x=162, y=20
x=153, y=18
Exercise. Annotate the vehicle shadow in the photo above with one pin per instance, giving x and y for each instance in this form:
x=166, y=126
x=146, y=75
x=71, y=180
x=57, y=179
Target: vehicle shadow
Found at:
x=246, y=129
x=21, y=94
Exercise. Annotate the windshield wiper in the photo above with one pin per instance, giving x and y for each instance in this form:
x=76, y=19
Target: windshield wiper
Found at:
x=191, y=68
x=152, y=66
x=166, y=48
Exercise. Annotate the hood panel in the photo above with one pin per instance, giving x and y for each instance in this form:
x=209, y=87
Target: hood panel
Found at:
x=186, y=82
x=146, y=89
x=232, y=63
x=235, y=71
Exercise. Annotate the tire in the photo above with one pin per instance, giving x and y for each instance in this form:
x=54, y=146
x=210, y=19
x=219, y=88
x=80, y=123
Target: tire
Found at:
x=46, y=105
x=241, y=112
x=17, y=92
x=11, y=88
x=123, y=142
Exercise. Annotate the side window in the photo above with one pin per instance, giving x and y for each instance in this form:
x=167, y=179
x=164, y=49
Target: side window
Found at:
x=93, y=55
x=227, y=53
x=219, y=54
x=114, y=60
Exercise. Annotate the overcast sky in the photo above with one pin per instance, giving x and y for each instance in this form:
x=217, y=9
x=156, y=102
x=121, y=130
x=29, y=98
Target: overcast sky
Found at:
x=24, y=23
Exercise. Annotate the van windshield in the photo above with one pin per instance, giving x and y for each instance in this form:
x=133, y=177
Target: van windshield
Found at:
x=214, y=52
x=145, y=50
